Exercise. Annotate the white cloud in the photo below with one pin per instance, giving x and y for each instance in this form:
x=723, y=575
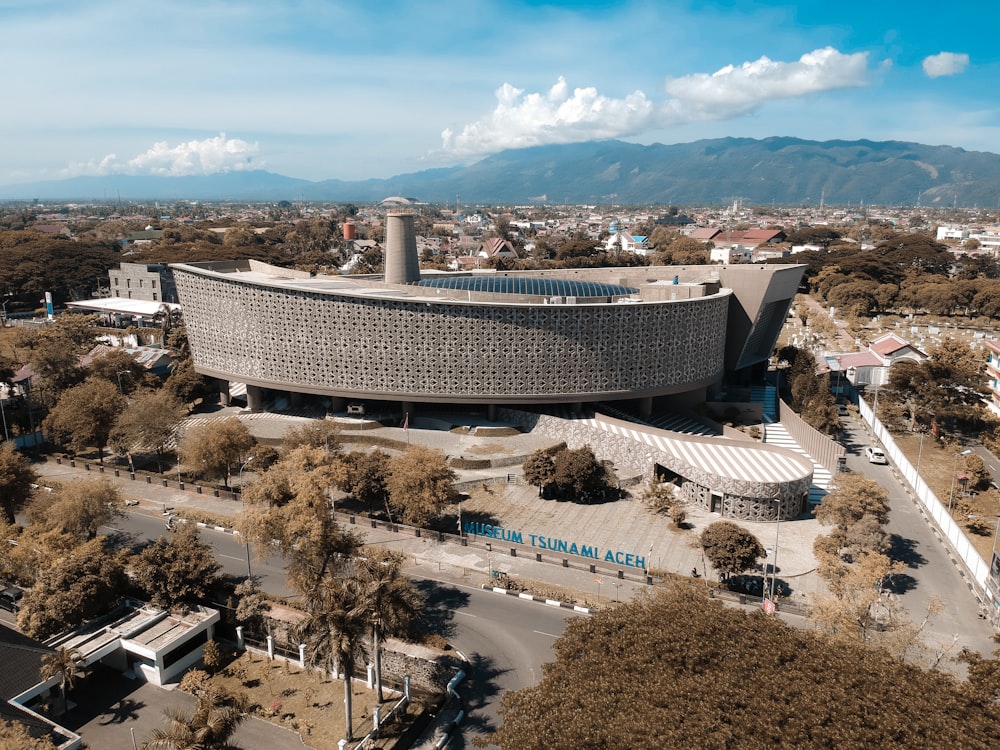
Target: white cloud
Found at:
x=557, y=116
x=733, y=91
x=209, y=156
x=945, y=64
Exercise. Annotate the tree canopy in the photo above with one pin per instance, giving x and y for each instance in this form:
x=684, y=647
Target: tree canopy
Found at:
x=72, y=589
x=85, y=415
x=419, y=484
x=730, y=548
x=214, y=449
x=680, y=670
x=181, y=568
x=16, y=479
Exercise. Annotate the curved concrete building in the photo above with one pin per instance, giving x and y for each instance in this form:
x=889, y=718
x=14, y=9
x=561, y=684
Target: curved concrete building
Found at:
x=497, y=339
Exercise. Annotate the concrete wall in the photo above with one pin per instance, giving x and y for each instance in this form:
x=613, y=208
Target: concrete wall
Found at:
x=362, y=345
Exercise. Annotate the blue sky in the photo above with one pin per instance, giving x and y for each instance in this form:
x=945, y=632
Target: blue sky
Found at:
x=350, y=90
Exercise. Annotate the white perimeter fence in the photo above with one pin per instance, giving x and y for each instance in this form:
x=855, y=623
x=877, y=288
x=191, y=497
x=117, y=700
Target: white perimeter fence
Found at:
x=977, y=568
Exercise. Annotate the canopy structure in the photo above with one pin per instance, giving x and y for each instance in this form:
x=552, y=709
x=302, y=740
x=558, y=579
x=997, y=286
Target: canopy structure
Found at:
x=123, y=306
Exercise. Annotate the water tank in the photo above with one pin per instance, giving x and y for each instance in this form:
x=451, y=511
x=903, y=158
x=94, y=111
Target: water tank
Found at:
x=350, y=230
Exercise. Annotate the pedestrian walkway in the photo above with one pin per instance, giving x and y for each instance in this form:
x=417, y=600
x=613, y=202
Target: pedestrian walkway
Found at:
x=775, y=433
x=637, y=541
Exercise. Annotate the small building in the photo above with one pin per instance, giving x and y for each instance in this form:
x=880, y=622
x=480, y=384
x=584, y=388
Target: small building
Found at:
x=993, y=374
x=497, y=248
x=153, y=282
x=23, y=689
x=141, y=640
x=872, y=366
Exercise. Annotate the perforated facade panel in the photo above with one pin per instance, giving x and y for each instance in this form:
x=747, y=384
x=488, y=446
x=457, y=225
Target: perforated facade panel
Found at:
x=346, y=344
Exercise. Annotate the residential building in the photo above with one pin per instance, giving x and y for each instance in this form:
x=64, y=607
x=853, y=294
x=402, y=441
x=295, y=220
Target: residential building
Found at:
x=993, y=374
x=153, y=282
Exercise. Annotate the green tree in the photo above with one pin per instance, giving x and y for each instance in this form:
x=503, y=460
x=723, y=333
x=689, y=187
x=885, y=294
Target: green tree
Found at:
x=336, y=620
x=857, y=507
x=691, y=672
x=214, y=449
x=64, y=663
x=252, y=606
x=539, y=469
x=390, y=600
x=578, y=474
x=419, y=484
x=85, y=415
x=180, y=569
x=72, y=589
x=296, y=521
x=730, y=549
x=14, y=736
x=210, y=726
x=119, y=368
x=364, y=475
x=79, y=508
x=148, y=423
x=16, y=480
x=319, y=433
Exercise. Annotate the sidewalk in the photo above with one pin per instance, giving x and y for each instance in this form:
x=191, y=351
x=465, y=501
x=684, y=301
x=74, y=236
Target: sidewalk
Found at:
x=636, y=540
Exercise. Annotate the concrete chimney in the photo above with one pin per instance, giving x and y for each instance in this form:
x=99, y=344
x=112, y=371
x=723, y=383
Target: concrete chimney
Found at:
x=401, y=263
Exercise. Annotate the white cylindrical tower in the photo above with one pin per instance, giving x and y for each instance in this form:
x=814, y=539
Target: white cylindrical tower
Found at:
x=402, y=266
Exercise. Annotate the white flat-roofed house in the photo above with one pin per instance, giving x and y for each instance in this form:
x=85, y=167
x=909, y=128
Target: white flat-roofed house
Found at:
x=153, y=644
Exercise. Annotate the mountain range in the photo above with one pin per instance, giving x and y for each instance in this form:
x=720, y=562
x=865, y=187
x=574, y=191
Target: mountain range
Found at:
x=786, y=171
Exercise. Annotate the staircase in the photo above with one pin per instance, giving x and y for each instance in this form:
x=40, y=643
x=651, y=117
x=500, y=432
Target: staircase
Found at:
x=776, y=434
x=768, y=396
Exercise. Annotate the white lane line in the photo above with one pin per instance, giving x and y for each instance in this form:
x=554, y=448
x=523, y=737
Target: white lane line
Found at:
x=542, y=632
x=466, y=614
x=230, y=557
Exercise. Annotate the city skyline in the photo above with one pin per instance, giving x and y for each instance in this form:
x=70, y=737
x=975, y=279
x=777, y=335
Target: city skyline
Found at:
x=334, y=90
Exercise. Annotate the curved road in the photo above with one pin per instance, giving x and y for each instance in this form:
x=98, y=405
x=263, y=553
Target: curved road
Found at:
x=503, y=639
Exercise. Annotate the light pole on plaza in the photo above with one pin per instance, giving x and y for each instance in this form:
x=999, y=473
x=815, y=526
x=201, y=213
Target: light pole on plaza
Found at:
x=777, y=528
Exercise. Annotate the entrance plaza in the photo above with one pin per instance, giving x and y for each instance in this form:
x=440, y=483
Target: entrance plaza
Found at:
x=622, y=526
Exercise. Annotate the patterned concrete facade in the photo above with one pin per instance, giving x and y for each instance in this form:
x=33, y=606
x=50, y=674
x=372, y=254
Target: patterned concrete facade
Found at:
x=744, y=480
x=348, y=338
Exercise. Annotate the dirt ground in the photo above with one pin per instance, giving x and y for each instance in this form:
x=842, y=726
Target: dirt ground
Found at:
x=305, y=701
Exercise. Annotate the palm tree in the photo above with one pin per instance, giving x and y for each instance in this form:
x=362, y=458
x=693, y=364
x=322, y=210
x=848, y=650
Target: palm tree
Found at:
x=210, y=726
x=390, y=602
x=64, y=663
x=335, y=623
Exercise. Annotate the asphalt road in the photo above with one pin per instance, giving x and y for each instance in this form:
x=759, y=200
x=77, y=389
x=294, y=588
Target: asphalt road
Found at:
x=504, y=640
x=930, y=574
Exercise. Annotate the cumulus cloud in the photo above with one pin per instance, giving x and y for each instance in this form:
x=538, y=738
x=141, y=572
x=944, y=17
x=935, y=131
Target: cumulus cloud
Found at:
x=945, y=64
x=556, y=116
x=733, y=91
x=209, y=156
x=559, y=116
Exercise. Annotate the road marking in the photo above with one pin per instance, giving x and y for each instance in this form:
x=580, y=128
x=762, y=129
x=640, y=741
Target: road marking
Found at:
x=542, y=632
x=467, y=614
x=230, y=557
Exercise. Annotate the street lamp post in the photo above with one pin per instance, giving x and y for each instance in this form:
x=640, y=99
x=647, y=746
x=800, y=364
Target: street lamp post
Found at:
x=245, y=464
x=777, y=527
x=954, y=471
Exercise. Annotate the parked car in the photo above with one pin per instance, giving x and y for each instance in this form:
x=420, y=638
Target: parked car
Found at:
x=875, y=455
x=10, y=599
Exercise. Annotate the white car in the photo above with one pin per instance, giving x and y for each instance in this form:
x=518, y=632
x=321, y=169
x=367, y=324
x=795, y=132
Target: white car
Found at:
x=875, y=455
